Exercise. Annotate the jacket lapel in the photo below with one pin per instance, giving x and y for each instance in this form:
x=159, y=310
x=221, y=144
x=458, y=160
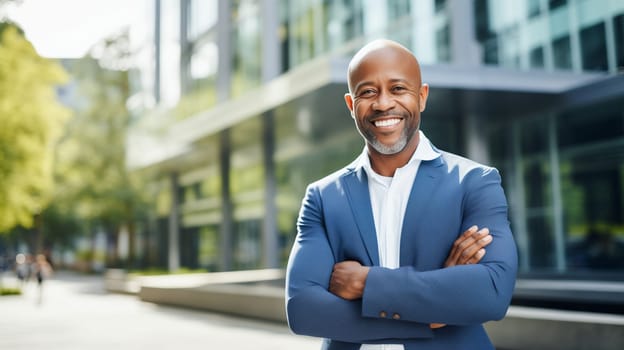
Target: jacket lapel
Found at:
x=356, y=185
x=424, y=185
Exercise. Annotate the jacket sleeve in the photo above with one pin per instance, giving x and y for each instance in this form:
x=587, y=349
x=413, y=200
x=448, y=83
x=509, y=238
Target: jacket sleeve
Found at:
x=311, y=309
x=459, y=295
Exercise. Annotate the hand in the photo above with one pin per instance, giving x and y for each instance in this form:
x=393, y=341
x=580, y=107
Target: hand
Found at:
x=348, y=279
x=467, y=249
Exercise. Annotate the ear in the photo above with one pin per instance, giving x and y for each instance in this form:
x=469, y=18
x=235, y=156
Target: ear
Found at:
x=349, y=101
x=423, y=94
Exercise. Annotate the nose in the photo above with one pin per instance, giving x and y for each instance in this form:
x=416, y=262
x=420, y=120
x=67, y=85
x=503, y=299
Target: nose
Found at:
x=383, y=102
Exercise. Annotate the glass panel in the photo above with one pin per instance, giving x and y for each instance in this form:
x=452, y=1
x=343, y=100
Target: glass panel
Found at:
x=247, y=244
x=592, y=172
x=554, y=4
x=594, y=48
x=443, y=44
x=439, y=5
x=247, y=183
x=541, y=242
x=536, y=58
x=203, y=16
x=536, y=175
x=618, y=33
x=208, y=247
x=246, y=44
x=561, y=53
x=203, y=67
x=588, y=126
x=533, y=8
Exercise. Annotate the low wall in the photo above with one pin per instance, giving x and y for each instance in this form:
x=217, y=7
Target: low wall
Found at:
x=258, y=294
x=262, y=302
x=531, y=328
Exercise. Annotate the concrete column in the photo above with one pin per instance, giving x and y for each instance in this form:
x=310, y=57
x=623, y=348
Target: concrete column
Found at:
x=226, y=230
x=555, y=178
x=157, y=45
x=465, y=50
x=185, y=47
x=173, y=256
x=270, y=242
x=519, y=200
x=271, y=52
x=224, y=42
x=224, y=84
x=271, y=66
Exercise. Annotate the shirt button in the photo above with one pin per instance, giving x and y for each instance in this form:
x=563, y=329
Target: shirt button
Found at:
x=383, y=314
x=396, y=316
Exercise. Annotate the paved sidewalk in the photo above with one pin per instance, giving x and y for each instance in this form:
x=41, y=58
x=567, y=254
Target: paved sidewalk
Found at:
x=74, y=312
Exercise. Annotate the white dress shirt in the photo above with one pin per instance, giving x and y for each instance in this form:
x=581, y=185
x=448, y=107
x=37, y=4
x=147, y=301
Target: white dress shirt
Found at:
x=389, y=197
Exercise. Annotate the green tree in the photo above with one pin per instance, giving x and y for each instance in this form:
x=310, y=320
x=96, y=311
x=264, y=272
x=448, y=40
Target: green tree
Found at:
x=31, y=119
x=93, y=182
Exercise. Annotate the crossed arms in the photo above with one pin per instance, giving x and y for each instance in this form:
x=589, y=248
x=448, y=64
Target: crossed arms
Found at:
x=342, y=300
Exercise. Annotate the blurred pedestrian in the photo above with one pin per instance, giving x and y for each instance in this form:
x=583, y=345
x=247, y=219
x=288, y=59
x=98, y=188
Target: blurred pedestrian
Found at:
x=43, y=271
x=22, y=268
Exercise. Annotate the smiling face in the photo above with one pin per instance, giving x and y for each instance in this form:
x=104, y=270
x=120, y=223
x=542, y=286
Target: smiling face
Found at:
x=386, y=97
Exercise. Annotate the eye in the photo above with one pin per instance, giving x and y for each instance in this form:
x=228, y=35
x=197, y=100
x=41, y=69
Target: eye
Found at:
x=366, y=92
x=398, y=88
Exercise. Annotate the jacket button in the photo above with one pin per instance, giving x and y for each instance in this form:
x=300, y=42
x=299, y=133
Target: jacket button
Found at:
x=396, y=316
x=383, y=314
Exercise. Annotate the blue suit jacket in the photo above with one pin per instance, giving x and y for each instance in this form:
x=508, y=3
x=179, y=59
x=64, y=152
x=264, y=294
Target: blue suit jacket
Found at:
x=336, y=223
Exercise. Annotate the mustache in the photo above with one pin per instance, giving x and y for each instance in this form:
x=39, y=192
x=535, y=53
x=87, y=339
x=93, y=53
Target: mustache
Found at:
x=380, y=114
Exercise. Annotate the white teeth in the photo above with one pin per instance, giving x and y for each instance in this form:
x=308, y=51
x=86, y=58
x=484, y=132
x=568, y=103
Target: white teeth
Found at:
x=386, y=122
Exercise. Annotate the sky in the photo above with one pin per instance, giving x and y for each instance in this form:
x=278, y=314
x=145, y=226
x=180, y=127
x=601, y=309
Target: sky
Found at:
x=69, y=28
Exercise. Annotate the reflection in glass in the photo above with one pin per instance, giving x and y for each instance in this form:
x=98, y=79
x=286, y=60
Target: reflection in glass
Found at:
x=246, y=41
x=618, y=33
x=594, y=48
x=562, y=54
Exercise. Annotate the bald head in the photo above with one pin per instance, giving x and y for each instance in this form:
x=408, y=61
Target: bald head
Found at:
x=382, y=49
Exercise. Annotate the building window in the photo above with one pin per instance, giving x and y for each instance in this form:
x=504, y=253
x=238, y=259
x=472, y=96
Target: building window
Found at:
x=554, y=4
x=439, y=5
x=536, y=57
x=443, y=44
x=202, y=17
x=592, y=180
x=594, y=48
x=562, y=56
x=246, y=45
x=533, y=8
x=618, y=31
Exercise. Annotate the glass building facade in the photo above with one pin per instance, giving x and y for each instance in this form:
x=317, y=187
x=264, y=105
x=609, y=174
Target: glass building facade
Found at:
x=532, y=87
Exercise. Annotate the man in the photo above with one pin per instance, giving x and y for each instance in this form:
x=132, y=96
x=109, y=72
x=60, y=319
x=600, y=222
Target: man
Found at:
x=388, y=255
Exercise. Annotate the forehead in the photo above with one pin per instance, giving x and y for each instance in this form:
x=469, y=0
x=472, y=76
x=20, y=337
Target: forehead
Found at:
x=384, y=64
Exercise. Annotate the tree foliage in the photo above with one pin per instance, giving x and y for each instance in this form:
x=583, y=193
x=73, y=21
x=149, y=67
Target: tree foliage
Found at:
x=31, y=120
x=93, y=183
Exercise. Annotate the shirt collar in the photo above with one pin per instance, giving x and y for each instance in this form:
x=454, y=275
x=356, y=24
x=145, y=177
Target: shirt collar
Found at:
x=424, y=151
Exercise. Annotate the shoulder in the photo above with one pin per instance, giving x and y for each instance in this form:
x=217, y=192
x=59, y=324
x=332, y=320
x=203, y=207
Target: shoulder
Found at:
x=334, y=179
x=466, y=168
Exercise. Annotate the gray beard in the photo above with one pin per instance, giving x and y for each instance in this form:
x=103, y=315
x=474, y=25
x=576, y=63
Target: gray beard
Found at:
x=392, y=149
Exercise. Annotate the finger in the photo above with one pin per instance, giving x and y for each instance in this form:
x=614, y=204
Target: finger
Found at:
x=470, y=231
x=467, y=254
x=473, y=249
x=466, y=249
x=477, y=257
x=481, y=233
x=457, y=245
x=478, y=239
